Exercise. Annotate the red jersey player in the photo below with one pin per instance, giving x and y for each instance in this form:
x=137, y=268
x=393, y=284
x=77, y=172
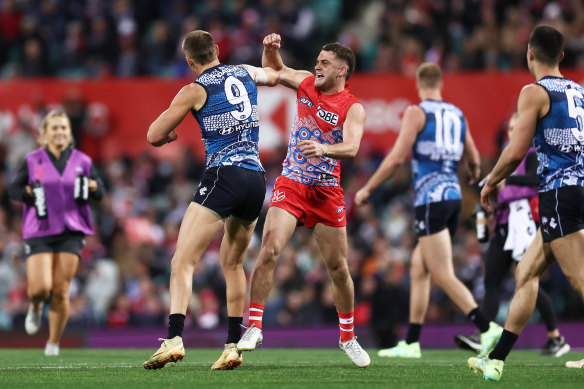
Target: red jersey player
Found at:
x=327, y=127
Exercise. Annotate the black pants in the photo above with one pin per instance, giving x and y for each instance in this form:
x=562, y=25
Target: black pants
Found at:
x=497, y=265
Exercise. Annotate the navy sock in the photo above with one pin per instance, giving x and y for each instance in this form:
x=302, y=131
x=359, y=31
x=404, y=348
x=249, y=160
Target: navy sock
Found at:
x=234, y=330
x=414, y=331
x=176, y=324
x=504, y=346
x=479, y=319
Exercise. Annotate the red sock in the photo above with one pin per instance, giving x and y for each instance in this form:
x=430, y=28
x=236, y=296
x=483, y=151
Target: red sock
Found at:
x=346, y=326
x=256, y=314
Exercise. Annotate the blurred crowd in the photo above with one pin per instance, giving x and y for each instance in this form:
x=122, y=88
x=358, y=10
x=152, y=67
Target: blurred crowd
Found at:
x=123, y=276
x=126, y=38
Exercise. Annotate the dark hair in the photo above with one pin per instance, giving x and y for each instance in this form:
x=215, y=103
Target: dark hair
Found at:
x=429, y=75
x=200, y=47
x=547, y=44
x=343, y=53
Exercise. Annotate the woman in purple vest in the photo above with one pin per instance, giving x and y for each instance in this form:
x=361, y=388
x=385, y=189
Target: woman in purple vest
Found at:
x=55, y=183
x=513, y=214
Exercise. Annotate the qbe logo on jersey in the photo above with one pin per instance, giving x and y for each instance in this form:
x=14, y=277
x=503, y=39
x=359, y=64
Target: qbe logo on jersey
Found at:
x=329, y=117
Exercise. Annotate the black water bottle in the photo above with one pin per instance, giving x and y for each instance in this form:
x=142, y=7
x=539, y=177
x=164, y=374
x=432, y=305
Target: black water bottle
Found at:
x=81, y=190
x=40, y=200
x=481, y=222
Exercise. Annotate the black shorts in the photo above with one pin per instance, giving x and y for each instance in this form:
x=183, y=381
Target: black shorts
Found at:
x=232, y=190
x=431, y=218
x=561, y=212
x=66, y=242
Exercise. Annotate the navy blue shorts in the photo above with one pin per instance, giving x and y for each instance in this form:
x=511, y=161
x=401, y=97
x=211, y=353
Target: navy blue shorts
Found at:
x=431, y=218
x=561, y=212
x=232, y=190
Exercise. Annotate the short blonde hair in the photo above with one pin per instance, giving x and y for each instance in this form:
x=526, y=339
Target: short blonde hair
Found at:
x=42, y=140
x=429, y=76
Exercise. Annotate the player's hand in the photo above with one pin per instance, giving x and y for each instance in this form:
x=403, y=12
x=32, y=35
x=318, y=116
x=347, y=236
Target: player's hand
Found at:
x=486, y=193
x=29, y=191
x=310, y=148
x=92, y=185
x=272, y=42
x=474, y=172
x=362, y=196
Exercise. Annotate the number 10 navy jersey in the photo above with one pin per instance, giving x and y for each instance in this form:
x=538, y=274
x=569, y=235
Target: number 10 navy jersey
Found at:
x=559, y=136
x=437, y=152
x=229, y=119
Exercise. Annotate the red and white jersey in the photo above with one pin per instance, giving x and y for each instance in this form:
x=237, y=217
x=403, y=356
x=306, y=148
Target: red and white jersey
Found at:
x=319, y=118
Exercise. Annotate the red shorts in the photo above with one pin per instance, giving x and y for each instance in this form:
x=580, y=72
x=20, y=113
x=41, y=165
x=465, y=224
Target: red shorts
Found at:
x=310, y=204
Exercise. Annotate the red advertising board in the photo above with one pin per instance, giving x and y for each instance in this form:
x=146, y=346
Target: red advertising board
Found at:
x=487, y=99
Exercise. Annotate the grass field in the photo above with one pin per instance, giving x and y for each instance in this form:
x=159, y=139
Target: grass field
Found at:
x=276, y=368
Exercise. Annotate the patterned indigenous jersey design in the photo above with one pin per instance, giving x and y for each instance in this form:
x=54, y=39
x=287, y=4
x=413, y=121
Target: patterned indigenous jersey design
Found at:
x=436, y=153
x=559, y=136
x=229, y=119
x=320, y=118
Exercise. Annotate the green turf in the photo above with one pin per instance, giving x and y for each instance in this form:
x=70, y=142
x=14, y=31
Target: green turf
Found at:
x=276, y=368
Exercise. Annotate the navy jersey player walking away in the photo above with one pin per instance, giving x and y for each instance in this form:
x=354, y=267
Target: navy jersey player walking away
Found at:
x=55, y=183
x=223, y=99
x=550, y=112
x=439, y=136
x=514, y=229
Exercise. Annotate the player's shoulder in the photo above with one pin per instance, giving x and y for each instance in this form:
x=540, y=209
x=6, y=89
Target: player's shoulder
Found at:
x=534, y=92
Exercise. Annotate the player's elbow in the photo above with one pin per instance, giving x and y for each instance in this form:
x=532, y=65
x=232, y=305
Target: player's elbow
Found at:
x=153, y=137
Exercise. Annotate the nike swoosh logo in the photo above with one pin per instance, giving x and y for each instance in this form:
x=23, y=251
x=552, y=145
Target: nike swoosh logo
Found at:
x=341, y=218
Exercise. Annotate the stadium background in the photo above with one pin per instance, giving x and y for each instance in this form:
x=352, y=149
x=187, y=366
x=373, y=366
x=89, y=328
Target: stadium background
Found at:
x=114, y=65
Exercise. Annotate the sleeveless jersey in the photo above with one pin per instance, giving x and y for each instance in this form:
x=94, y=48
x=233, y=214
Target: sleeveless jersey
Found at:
x=559, y=136
x=437, y=150
x=319, y=118
x=229, y=119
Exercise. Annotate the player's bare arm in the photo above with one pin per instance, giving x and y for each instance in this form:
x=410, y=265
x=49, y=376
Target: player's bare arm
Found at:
x=262, y=76
x=352, y=134
x=271, y=58
x=412, y=123
x=533, y=104
x=471, y=156
x=161, y=131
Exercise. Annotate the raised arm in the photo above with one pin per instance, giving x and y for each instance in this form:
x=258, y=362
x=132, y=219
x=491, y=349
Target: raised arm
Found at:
x=472, y=157
x=161, y=131
x=412, y=124
x=533, y=103
x=263, y=76
x=271, y=59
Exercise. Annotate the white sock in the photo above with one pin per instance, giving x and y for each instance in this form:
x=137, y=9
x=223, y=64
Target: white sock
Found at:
x=51, y=349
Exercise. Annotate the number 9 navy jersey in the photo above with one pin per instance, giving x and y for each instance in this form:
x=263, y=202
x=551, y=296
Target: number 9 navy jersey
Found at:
x=559, y=136
x=436, y=153
x=229, y=119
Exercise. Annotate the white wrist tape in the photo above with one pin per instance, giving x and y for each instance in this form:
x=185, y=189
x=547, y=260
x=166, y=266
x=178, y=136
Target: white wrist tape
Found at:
x=258, y=74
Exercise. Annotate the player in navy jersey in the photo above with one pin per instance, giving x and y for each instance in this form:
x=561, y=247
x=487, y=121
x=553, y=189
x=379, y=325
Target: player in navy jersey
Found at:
x=223, y=99
x=551, y=113
x=438, y=133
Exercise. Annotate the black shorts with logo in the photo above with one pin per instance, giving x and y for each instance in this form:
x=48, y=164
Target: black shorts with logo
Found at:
x=434, y=217
x=232, y=190
x=66, y=242
x=561, y=212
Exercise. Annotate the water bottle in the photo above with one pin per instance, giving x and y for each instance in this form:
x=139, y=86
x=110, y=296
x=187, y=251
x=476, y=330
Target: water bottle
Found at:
x=81, y=190
x=40, y=200
x=481, y=221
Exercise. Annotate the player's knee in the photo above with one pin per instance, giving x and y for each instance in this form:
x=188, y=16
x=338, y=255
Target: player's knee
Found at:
x=269, y=254
x=60, y=291
x=339, y=272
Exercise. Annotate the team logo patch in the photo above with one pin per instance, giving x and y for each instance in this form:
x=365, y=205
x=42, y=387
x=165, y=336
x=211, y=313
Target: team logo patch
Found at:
x=306, y=101
x=544, y=220
x=79, y=169
x=203, y=190
x=340, y=209
x=329, y=117
x=278, y=196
